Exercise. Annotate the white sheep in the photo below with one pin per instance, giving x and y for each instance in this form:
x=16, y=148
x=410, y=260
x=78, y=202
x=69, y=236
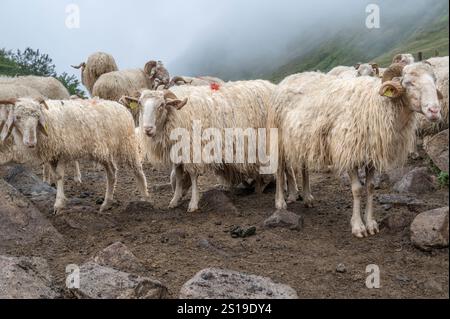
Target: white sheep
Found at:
x=58, y=131
x=352, y=123
x=232, y=105
x=48, y=87
x=359, y=69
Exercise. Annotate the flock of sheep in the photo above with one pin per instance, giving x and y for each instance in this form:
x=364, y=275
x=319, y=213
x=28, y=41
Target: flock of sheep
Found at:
x=361, y=117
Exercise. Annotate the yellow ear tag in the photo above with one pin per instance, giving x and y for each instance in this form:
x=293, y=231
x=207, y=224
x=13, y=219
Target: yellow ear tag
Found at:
x=388, y=93
x=133, y=105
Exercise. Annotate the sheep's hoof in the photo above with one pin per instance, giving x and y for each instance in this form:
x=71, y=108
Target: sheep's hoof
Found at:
x=193, y=209
x=372, y=227
x=105, y=206
x=281, y=205
x=292, y=198
x=174, y=204
x=309, y=200
x=359, y=230
x=77, y=180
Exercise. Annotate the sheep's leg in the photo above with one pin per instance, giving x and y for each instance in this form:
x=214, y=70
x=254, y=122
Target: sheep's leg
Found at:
x=58, y=169
x=195, y=196
x=358, y=228
x=371, y=224
x=46, y=170
x=307, y=196
x=111, y=172
x=177, y=172
x=280, y=203
x=77, y=176
x=291, y=185
x=141, y=181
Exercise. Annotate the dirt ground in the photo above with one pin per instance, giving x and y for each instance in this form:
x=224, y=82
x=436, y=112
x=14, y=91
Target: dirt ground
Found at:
x=171, y=243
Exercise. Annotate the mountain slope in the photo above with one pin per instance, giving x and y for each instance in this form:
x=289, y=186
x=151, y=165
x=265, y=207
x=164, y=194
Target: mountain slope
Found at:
x=425, y=32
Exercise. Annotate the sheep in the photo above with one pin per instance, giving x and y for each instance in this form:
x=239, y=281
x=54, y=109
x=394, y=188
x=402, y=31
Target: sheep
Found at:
x=351, y=123
x=57, y=131
x=48, y=87
x=158, y=73
x=403, y=58
x=359, y=69
x=195, y=81
x=234, y=105
x=96, y=65
x=440, y=66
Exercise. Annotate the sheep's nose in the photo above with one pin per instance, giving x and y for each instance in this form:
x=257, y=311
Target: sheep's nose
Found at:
x=434, y=110
x=149, y=130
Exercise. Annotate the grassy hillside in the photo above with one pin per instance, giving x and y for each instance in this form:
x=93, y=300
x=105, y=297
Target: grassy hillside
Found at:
x=425, y=32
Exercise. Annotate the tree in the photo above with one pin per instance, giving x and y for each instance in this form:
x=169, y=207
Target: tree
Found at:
x=33, y=62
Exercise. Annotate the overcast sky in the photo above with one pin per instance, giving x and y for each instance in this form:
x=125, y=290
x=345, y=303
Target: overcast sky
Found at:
x=135, y=31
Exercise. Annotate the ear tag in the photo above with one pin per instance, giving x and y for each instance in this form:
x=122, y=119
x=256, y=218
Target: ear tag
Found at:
x=388, y=93
x=133, y=105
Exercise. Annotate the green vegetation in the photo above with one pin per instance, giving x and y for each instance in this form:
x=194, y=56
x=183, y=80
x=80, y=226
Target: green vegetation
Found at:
x=425, y=32
x=443, y=179
x=33, y=62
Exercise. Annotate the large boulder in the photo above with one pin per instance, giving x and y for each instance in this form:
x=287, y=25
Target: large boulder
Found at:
x=417, y=181
x=437, y=149
x=430, y=229
x=21, y=223
x=25, y=278
x=100, y=282
x=216, y=283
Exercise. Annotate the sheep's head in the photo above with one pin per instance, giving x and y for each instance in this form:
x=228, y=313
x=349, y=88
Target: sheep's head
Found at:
x=367, y=69
x=405, y=59
x=154, y=108
x=26, y=116
x=416, y=84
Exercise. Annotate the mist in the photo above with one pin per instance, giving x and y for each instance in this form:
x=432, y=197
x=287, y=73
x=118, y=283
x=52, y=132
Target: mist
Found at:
x=232, y=39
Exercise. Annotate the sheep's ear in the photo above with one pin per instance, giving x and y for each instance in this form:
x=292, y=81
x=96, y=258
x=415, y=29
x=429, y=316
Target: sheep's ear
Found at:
x=392, y=89
x=42, y=125
x=440, y=95
x=177, y=104
x=356, y=66
x=8, y=102
x=8, y=127
x=129, y=102
x=42, y=102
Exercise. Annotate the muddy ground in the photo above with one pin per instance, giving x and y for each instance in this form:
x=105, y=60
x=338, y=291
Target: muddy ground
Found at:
x=171, y=243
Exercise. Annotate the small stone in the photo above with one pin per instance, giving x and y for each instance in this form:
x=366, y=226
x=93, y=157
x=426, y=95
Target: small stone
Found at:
x=340, y=268
x=284, y=218
x=417, y=181
x=437, y=149
x=119, y=257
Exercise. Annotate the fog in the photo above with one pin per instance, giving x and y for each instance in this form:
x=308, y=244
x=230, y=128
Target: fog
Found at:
x=232, y=38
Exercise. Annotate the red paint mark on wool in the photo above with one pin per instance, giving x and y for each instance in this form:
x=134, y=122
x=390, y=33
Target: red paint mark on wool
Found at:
x=215, y=86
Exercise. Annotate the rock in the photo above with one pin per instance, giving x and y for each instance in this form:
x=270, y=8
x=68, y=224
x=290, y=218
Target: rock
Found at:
x=433, y=285
x=242, y=232
x=437, y=149
x=212, y=247
x=25, y=278
x=21, y=223
x=399, y=200
x=28, y=183
x=174, y=236
x=216, y=201
x=119, y=257
x=340, y=268
x=397, y=221
x=417, y=181
x=284, y=218
x=430, y=229
x=216, y=283
x=100, y=282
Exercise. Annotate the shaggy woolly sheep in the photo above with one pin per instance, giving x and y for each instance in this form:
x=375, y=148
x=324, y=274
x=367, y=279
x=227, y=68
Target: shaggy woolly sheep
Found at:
x=234, y=105
x=58, y=131
x=360, y=69
x=48, y=87
x=403, y=58
x=440, y=66
x=96, y=65
x=351, y=123
x=195, y=81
